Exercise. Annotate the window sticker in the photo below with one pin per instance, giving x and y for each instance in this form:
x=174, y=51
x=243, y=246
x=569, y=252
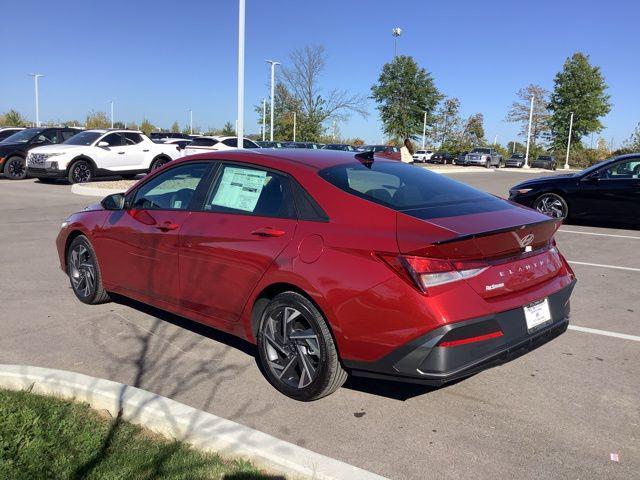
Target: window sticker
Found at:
x=240, y=188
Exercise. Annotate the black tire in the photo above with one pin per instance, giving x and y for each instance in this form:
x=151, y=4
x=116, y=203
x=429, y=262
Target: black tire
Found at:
x=488, y=164
x=288, y=355
x=80, y=171
x=552, y=204
x=15, y=168
x=84, y=272
x=129, y=176
x=159, y=162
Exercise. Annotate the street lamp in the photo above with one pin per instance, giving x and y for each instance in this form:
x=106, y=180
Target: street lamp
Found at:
x=264, y=118
x=566, y=161
x=36, y=76
x=190, y=122
x=294, y=126
x=273, y=77
x=526, y=157
x=240, y=127
x=396, y=32
x=111, y=102
x=424, y=129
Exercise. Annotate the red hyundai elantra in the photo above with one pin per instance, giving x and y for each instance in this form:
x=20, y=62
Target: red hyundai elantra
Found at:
x=333, y=263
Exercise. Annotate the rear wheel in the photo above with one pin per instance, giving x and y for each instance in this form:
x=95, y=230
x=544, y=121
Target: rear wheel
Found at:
x=552, y=205
x=159, y=162
x=84, y=272
x=80, y=171
x=296, y=349
x=15, y=168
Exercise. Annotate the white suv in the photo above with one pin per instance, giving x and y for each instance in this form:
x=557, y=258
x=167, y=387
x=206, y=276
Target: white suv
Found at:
x=95, y=153
x=208, y=143
x=422, y=155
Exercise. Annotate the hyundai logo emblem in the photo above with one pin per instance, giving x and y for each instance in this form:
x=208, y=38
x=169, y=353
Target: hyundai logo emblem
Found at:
x=526, y=240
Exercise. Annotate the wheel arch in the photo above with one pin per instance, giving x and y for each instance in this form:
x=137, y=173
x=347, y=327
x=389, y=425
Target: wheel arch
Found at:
x=85, y=158
x=70, y=238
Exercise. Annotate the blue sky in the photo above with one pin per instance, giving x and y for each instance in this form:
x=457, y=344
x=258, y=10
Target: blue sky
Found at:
x=158, y=59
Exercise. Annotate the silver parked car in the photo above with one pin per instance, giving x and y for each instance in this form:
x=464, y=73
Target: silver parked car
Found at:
x=485, y=157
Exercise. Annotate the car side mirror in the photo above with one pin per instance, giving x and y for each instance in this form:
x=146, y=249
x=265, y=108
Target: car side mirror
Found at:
x=115, y=201
x=595, y=178
x=103, y=144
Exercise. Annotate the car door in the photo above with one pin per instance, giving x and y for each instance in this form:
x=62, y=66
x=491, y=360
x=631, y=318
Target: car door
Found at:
x=140, y=244
x=613, y=192
x=137, y=151
x=109, y=153
x=246, y=220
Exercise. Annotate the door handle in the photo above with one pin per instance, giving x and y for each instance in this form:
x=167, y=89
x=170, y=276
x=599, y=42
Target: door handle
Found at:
x=120, y=153
x=145, y=150
x=166, y=226
x=268, y=232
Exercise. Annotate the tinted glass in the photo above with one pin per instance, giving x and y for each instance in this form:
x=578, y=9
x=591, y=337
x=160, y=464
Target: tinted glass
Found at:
x=231, y=142
x=6, y=134
x=67, y=134
x=132, y=138
x=113, y=139
x=250, y=191
x=623, y=170
x=400, y=186
x=250, y=144
x=171, y=190
x=481, y=150
x=46, y=137
x=23, y=136
x=203, y=142
x=83, y=138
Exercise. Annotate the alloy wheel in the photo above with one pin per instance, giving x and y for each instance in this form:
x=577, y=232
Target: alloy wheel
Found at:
x=16, y=169
x=291, y=347
x=81, y=173
x=82, y=271
x=551, y=205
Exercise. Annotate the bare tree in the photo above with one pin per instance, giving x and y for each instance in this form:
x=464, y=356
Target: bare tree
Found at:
x=301, y=78
x=519, y=112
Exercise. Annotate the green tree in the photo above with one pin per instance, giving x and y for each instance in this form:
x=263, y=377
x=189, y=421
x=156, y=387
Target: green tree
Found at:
x=175, y=128
x=516, y=147
x=579, y=88
x=633, y=142
x=228, y=130
x=147, y=127
x=403, y=94
x=520, y=109
x=97, y=120
x=12, y=118
x=474, y=130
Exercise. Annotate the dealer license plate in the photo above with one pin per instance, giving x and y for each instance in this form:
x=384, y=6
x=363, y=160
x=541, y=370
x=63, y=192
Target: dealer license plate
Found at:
x=537, y=314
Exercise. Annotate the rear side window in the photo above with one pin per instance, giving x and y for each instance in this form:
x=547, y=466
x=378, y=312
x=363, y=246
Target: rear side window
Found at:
x=67, y=134
x=203, y=142
x=405, y=187
x=132, y=138
x=251, y=191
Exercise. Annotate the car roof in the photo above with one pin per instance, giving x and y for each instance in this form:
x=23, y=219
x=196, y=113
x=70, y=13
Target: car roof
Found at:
x=315, y=159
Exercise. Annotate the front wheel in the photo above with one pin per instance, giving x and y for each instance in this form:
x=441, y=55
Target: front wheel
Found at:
x=80, y=172
x=15, y=168
x=296, y=349
x=552, y=205
x=84, y=272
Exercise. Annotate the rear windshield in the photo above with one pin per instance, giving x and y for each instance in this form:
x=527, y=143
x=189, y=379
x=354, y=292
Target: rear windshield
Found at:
x=410, y=189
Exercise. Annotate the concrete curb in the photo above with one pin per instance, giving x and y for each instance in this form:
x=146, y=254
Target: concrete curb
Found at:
x=203, y=430
x=536, y=170
x=458, y=170
x=88, y=190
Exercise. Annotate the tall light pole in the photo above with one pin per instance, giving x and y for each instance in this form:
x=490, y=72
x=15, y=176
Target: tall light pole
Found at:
x=526, y=157
x=190, y=122
x=273, y=89
x=111, y=102
x=424, y=130
x=396, y=32
x=294, y=126
x=566, y=161
x=264, y=118
x=36, y=76
x=240, y=127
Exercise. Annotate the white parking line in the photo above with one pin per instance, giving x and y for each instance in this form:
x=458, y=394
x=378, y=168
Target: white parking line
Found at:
x=599, y=234
x=615, y=267
x=606, y=333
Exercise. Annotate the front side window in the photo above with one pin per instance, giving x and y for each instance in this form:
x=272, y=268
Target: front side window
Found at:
x=67, y=134
x=251, y=191
x=48, y=136
x=171, y=190
x=623, y=170
x=113, y=140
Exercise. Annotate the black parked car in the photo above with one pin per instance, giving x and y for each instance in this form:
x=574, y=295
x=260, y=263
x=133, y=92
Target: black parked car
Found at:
x=441, y=157
x=459, y=160
x=607, y=191
x=545, y=161
x=268, y=144
x=13, y=150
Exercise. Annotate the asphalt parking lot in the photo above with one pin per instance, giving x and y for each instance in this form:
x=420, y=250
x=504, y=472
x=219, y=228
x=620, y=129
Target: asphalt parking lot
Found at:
x=559, y=412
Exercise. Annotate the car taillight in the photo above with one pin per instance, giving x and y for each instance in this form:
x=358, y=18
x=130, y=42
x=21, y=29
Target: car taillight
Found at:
x=424, y=272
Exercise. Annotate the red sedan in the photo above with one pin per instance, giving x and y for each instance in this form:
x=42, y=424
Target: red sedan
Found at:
x=332, y=263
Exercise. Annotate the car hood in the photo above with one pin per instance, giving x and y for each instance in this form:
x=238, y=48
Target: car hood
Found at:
x=547, y=180
x=56, y=148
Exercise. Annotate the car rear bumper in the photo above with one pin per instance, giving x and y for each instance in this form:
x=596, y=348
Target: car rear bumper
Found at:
x=424, y=361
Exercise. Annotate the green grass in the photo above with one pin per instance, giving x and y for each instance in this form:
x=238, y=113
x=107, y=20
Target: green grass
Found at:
x=43, y=437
